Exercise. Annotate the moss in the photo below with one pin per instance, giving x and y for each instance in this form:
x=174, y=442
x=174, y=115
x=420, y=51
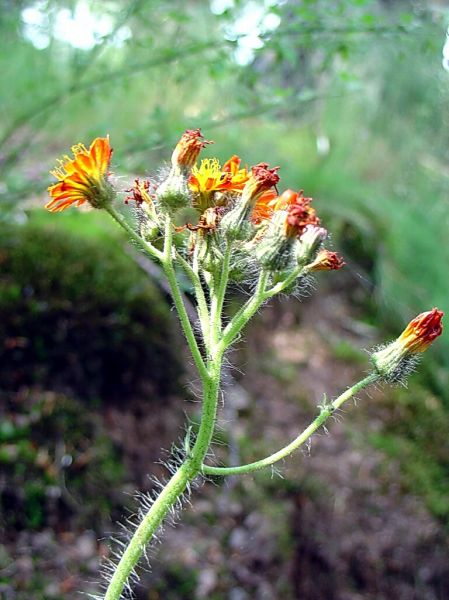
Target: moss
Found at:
x=415, y=434
x=77, y=313
x=62, y=465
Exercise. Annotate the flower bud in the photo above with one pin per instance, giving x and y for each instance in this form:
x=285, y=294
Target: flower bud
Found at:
x=173, y=193
x=309, y=242
x=188, y=149
x=396, y=360
x=326, y=261
x=274, y=250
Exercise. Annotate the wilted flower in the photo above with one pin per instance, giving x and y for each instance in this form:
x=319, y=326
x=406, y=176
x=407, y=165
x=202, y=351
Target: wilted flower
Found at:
x=296, y=209
x=397, y=359
x=327, y=261
x=173, y=193
x=82, y=178
x=283, y=219
x=139, y=192
x=264, y=207
x=188, y=148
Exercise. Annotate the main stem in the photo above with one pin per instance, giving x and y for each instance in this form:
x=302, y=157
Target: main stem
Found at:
x=210, y=374
x=172, y=491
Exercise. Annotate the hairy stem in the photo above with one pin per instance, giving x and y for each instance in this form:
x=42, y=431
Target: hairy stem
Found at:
x=245, y=313
x=173, y=490
x=167, y=264
x=191, y=467
x=217, y=298
x=325, y=413
x=147, y=247
x=143, y=534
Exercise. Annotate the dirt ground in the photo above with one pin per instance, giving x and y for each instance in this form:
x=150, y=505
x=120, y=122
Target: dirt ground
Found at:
x=331, y=523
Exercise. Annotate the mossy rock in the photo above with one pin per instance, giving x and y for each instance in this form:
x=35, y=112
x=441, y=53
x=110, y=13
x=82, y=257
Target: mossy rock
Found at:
x=77, y=314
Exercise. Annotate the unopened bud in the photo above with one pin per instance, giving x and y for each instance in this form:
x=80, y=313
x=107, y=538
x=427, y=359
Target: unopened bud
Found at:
x=396, y=360
x=274, y=250
x=326, y=261
x=309, y=243
x=173, y=193
x=188, y=149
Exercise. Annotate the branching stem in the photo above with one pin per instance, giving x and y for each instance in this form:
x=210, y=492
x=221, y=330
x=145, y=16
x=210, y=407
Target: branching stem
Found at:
x=325, y=413
x=216, y=341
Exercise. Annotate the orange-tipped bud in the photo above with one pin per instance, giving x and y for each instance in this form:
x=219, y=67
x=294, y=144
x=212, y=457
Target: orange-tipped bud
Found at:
x=421, y=331
x=188, y=148
x=327, y=261
x=82, y=178
x=396, y=360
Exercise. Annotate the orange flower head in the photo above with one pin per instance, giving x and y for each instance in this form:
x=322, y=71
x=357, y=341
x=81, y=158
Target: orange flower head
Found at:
x=211, y=177
x=299, y=213
x=82, y=178
x=188, y=148
x=238, y=177
x=327, y=261
x=421, y=331
x=264, y=207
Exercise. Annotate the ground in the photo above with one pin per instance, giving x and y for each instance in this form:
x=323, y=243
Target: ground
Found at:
x=333, y=522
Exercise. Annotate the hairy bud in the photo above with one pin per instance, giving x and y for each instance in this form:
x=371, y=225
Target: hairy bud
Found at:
x=396, y=360
x=309, y=243
x=327, y=261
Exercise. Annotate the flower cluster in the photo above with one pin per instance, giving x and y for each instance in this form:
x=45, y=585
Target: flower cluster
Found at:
x=214, y=205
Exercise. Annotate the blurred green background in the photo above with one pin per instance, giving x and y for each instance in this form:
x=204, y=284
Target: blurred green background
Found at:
x=351, y=99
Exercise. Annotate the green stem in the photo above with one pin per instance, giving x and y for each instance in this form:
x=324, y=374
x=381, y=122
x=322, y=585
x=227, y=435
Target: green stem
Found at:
x=167, y=264
x=325, y=413
x=165, y=258
x=203, y=311
x=148, y=248
x=217, y=298
x=173, y=490
x=248, y=310
x=282, y=285
x=145, y=531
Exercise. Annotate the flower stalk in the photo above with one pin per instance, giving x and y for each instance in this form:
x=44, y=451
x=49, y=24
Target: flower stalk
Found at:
x=235, y=224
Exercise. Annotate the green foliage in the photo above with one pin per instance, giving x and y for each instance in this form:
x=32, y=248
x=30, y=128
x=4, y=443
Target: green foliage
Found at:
x=415, y=435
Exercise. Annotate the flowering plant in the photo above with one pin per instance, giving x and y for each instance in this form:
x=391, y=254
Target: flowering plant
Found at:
x=221, y=225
